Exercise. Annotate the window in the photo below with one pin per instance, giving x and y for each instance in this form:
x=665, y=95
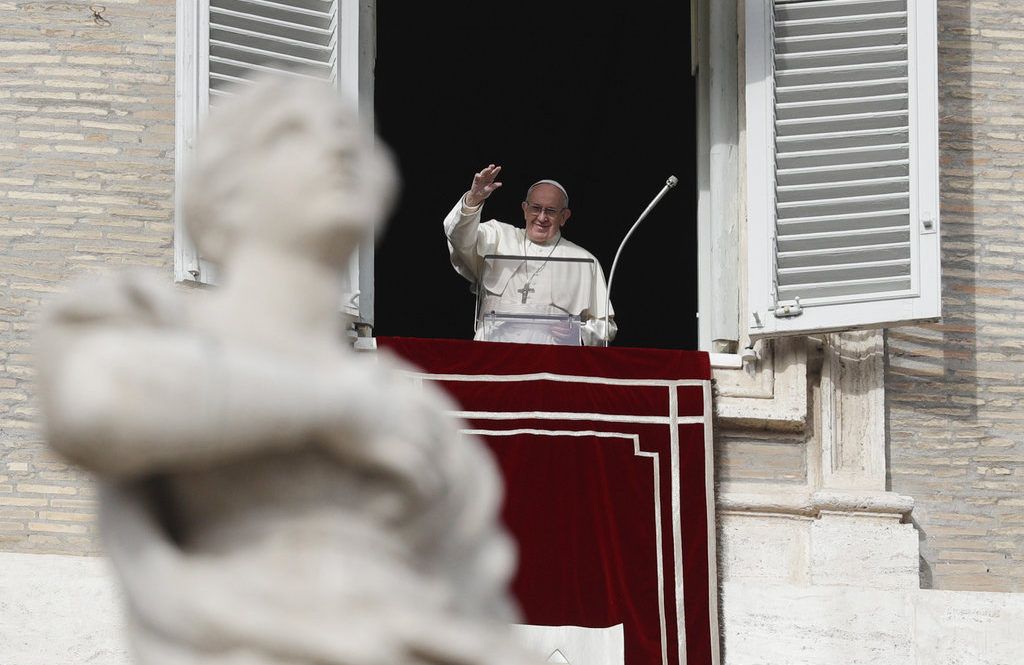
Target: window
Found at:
x=838, y=170
x=226, y=42
x=842, y=164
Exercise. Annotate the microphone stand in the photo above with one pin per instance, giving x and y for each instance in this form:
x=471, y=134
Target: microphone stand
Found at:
x=669, y=184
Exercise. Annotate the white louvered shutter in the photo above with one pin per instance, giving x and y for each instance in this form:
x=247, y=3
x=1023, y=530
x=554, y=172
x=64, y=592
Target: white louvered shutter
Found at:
x=248, y=37
x=842, y=157
x=235, y=40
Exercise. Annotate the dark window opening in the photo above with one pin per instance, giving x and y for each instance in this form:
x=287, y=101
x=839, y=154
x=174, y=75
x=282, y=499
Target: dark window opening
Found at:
x=601, y=101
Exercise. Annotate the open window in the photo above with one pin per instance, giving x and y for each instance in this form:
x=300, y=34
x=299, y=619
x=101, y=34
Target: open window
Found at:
x=600, y=100
x=837, y=173
x=222, y=43
x=842, y=165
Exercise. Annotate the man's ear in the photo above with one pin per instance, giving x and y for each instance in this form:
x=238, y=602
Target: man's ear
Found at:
x=568, y=214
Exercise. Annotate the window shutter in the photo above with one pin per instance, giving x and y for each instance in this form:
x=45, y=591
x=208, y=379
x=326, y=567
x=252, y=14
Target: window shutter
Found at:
x=223, y=43
x=842, y=164
x=249, y=37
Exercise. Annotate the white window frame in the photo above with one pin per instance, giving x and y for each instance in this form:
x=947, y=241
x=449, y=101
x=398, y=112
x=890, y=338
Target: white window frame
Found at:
x=190, y=104
x=714, y=36
x=767, y=386
x=356, y=52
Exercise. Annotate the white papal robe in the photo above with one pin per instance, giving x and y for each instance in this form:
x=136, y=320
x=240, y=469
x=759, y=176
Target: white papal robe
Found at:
x=558, y=287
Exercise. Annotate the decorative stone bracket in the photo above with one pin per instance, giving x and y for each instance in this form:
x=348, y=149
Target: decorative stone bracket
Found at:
x=842, y=527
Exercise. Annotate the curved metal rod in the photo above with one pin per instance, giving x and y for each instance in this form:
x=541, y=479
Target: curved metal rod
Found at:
x=669, y=184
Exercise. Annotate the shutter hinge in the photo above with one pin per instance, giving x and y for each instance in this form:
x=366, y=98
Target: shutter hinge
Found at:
x=788, y=308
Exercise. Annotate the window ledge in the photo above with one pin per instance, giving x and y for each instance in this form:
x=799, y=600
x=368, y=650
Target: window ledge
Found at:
x=726, y=361
x=770, y=393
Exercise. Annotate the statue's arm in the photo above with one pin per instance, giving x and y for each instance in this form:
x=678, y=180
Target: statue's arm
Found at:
x=127, y=387
x=127, y=402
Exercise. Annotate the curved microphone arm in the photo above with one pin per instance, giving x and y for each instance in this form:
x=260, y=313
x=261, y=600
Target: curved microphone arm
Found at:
x=669, y=184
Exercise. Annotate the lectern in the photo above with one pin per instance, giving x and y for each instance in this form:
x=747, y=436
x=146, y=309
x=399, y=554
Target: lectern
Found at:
x=516, y=299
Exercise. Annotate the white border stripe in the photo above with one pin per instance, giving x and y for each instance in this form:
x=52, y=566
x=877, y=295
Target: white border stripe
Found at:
x=556, y=432
x=656, y=469
x=709, y=493
x=656, y=460
x=548, y=376
x=572, y=415
x=677, y=520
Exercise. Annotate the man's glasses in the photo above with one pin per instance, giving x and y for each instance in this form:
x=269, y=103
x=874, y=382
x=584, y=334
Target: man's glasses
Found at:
x=535, y=210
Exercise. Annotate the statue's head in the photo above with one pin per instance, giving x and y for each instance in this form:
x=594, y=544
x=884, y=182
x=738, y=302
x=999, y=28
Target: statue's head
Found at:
x=285, y=161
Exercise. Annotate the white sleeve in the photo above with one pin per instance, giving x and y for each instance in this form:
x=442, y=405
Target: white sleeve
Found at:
x=468, y=239
x=594, y=330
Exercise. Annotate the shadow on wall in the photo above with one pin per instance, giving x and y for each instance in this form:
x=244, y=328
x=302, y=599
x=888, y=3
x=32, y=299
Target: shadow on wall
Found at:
x=951, y=389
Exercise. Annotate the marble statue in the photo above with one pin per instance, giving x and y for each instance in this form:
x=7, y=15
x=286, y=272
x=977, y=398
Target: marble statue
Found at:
x=269, y=496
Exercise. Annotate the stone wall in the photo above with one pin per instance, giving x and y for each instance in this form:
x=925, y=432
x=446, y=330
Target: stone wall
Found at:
x=86, y=183
x=764, y=622
x=955, y=390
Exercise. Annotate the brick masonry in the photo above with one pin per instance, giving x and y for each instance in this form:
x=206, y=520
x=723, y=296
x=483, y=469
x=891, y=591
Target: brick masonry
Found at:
x=86, y=184
x=955, y=390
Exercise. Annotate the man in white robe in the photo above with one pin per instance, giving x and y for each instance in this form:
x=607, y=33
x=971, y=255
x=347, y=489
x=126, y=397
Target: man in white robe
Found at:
x=530, y=273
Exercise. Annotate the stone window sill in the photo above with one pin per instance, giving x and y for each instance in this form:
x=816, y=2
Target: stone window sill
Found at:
x=770, y=393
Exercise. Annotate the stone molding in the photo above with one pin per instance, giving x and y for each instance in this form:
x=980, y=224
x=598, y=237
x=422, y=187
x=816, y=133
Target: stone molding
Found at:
x=814, y=504
x=852, y=433
x=770, y=393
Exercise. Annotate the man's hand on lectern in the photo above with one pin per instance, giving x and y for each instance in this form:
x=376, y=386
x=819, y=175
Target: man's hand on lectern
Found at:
x=483, y=185
x=563, y=332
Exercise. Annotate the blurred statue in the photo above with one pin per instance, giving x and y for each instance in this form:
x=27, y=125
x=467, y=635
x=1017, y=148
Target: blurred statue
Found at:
x=268, y=496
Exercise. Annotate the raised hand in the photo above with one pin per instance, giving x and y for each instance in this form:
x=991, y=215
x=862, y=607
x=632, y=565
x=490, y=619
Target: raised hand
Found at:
x=483, y=185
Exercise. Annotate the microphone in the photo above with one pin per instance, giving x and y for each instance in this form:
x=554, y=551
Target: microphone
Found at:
x=669, y=184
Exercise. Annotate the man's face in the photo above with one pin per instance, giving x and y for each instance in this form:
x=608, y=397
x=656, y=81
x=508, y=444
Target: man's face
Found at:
x=545, y=212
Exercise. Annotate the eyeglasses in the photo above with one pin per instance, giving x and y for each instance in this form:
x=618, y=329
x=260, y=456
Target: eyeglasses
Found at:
x=535, y=210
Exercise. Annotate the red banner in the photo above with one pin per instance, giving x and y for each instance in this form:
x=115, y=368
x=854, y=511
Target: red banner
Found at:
x=606, y=456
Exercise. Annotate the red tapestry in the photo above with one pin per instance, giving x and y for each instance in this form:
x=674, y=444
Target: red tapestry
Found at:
x=606, y=457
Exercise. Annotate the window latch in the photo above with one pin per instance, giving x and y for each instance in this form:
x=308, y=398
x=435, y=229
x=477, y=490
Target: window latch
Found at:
x=788, y=308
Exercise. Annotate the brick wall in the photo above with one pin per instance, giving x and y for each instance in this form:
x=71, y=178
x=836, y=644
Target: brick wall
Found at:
x=956, y=390
x=86, y=183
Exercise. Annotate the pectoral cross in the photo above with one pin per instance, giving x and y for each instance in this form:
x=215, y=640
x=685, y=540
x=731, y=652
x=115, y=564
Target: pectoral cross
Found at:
x=526, y=290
